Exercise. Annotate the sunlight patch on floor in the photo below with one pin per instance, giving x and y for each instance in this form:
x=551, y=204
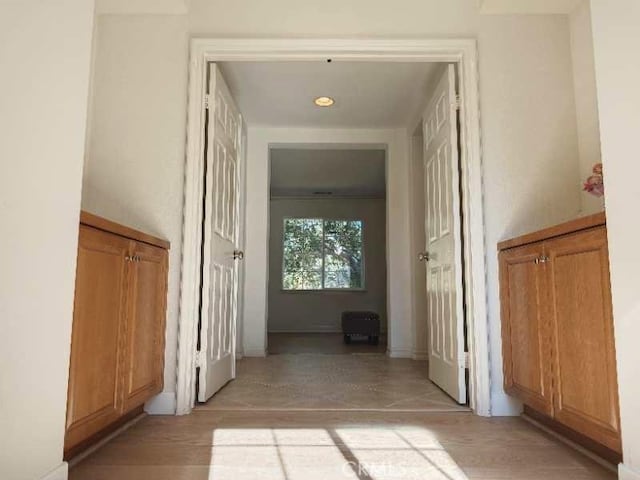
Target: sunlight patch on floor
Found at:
x=350, y=453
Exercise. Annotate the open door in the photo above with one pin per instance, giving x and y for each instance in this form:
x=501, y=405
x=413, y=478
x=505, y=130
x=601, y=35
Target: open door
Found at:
x=443, y=254
x=220, y=254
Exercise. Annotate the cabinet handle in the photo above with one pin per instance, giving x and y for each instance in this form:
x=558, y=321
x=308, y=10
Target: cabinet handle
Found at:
x=541, y=259
x=128, y=258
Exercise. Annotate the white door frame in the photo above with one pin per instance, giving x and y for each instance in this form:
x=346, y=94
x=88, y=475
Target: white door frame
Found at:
x=463, y=52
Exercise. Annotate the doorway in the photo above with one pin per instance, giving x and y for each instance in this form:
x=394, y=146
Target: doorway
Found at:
x=461, y=52
x=327, y=249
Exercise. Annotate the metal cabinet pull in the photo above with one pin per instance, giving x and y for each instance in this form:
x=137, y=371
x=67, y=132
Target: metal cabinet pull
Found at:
x=541, y=259
x=424, y=257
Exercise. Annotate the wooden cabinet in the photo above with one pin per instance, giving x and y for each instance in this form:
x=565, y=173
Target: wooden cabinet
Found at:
x=526, y=345
x=117, y=343
x=94, y=399
x=557, y=328
x=144, y=333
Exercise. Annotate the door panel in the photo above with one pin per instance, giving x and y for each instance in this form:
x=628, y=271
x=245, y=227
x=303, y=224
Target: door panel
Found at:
x=444, y=241
x=98, y=319
x=145, y=324
x=584, y=366
x=525, y=333
x=220, y=237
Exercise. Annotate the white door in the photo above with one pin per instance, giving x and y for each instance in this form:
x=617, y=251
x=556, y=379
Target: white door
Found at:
x=443, y=255
x=220, y=240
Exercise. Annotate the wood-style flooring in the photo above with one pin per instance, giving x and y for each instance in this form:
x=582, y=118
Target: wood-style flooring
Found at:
x=314, y=416
x=241, y=445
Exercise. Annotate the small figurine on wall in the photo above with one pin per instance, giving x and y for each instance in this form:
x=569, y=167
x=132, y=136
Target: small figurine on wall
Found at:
x=595, y=183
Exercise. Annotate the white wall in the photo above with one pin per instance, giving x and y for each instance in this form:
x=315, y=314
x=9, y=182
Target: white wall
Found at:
x=527, y=112
x=44, y=59
x=616, y=39
x=134, y=170
x=321, y=311
x=530, y=151
x=584, y=81
x=257, y=232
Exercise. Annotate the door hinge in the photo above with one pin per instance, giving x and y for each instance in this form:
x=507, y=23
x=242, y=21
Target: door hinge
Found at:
x=466, y=361
x=458, y=102
x=199, y=358
x=206, y=101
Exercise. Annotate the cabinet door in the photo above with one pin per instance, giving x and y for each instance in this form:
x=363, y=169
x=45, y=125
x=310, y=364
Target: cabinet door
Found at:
x=585, y=379
x=525, y=333
x=145, y=325
x=98, y=318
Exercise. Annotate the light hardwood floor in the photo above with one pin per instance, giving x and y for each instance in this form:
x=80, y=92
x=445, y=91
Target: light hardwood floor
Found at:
x=334, y=417
x=241, y=445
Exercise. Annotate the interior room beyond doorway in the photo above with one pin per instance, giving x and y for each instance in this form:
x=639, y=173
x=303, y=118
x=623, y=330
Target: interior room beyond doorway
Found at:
x=327, y=250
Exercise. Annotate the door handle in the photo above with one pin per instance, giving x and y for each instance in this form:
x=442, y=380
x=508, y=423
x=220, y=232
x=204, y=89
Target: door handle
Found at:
x=424, y=257
x=238, y=254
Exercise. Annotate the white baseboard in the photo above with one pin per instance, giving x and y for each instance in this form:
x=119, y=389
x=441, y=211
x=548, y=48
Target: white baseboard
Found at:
x=420, y=355
x=502, y=405
x=400, y=353
x=329, y=330
x=626, y=473
x=61, y=472
x=383, y=333
x=255, y=353
x=162, y=404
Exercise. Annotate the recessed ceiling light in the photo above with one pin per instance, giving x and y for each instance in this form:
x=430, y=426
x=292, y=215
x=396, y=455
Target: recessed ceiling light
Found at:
x=324, y=101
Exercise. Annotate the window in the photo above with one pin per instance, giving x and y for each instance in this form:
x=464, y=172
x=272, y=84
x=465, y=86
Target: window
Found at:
x=322, y=254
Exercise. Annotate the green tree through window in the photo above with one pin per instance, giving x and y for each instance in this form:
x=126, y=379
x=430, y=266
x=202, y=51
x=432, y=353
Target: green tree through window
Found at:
x=322, y=254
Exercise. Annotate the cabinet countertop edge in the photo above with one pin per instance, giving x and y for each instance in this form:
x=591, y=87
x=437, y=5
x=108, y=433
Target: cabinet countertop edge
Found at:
x=582, y=223
x=95, y=221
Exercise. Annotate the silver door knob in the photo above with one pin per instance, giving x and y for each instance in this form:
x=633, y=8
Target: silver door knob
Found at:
x=238, y=254
x=424, y=256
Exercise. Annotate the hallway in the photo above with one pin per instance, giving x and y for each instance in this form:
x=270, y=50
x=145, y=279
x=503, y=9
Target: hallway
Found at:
x=326, y=416
x=241, y=445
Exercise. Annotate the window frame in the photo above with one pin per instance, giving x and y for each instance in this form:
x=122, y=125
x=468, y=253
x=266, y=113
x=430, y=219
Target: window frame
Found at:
x=361, y=288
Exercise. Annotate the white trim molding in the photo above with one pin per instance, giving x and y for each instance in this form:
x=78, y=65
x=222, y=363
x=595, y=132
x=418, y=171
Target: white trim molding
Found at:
x=61, y=472
x=162, y=404
x=503, y=405
x=420, y=355
x=255, y=353
x=626, y=473
x=398, y=353
x=463, y=52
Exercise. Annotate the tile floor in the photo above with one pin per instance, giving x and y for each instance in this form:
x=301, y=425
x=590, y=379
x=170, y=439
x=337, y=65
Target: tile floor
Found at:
x=325, y=343
x=311, y=381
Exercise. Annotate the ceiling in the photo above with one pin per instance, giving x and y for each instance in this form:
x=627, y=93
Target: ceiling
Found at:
x=325, y=173
x=367, y=94
x=528, y=7
x=136, y=7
